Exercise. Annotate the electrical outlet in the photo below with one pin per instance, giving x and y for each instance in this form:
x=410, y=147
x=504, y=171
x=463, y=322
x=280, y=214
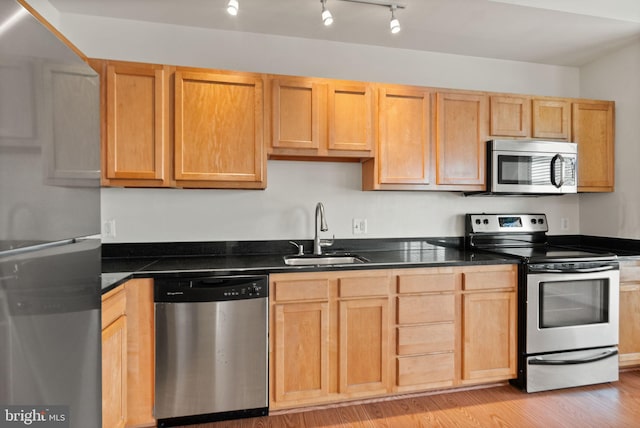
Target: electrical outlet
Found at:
x=109, y=229
x=359, y=226
x=564, y=223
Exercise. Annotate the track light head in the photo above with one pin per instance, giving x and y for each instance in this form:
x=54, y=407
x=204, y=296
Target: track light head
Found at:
x=232, y=7
x=327, y=18
x=394, y=24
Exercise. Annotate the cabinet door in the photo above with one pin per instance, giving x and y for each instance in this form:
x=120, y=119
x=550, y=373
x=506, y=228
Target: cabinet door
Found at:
x=350, y=116
x=593, y=131
x=488, y=336
x=136, y=140
x=404, y=148
x=551, y=119
x=295, y=114
x=219, y=130
x=461, y=134
x=629, y=324
x=300, y=354
x=364, y=347
x=114, y=374
x=510, y=116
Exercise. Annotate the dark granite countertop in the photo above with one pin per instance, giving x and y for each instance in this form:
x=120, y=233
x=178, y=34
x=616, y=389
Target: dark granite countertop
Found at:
x=124, y=261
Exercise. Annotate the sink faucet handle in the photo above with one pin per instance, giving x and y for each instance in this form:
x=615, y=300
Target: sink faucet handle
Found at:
x=327, y=242
x=299, y=246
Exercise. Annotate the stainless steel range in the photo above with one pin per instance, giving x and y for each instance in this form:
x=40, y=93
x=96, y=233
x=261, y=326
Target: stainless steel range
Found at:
x=567, y=303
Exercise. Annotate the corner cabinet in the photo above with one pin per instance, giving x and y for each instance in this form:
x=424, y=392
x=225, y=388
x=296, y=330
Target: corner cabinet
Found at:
x=219, y=130
x=345, y=335
x=629, y=342
x=320, y=118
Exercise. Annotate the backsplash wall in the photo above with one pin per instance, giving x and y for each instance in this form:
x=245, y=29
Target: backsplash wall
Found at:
x=285, y=210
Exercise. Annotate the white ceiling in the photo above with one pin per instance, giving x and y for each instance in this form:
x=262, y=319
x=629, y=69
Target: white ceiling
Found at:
x=561, y=32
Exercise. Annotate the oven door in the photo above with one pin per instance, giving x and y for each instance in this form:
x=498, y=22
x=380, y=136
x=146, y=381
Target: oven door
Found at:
x=571, y=307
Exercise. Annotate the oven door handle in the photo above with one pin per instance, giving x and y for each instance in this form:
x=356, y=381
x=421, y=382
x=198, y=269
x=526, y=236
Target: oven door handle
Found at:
x=577, y=270
x=539, y=361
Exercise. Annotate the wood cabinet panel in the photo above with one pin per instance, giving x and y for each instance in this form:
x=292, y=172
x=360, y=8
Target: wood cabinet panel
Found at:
x=114, y=304
x=114, y=374
x=364, y=336
x=404, y=146
x=301, y=353
x=218, y=130
x=425, y=308
x=424, y=339
x=426, y=283
x=461, y=134
x=361, y=286
x=426, y=371
x=551, y=119
x=510, y=116
x=301, y=289
x=593, y=131
x=491, y=278
x=136, y=140
x=295, y=114
x=350, y=116
x=488, y=336
x=629, y=339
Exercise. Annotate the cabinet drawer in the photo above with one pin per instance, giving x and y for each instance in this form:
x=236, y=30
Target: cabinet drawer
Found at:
x=423, y=369
x=423, y=339
x=114, y=305
x=426, y=283
x=490, y=279
x=364, y=286
x=426, y=309
x=301, y=289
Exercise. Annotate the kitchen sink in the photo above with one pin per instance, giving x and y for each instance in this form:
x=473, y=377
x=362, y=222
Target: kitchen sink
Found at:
x=328, y=259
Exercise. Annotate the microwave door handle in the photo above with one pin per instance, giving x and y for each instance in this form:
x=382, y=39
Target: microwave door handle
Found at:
x=539, y=361
x=554, y=161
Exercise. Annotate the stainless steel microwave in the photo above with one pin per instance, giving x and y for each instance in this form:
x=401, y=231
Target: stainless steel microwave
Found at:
x=532, y=167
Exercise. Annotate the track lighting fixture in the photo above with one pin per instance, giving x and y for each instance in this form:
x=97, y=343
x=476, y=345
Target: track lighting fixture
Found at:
x=394, y=24
x=232, y=7
x=327, y=19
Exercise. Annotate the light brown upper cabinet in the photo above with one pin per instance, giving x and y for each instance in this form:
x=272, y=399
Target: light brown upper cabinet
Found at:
x=593, y=130
x=219, y=130
x=461, y=134
x=510, y=116
x=404, y=153
x=551, y=119
x=135, y=125
x=320, y=118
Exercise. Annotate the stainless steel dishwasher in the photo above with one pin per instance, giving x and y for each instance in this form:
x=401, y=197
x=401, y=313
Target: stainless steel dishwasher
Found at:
x=211, y=348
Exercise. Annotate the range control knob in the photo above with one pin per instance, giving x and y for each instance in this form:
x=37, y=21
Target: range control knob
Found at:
x=540, y=221
x=533, y=221
x=478, y=221
x=485, y=221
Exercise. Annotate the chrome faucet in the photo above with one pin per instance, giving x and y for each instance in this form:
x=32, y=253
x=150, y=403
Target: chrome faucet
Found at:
x=317, y=242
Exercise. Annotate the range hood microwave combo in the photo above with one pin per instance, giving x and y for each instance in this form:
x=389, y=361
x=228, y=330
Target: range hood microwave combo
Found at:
x=531, y=167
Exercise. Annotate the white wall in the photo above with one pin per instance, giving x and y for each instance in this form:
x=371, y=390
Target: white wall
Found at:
x=617, y=77
x=285, y=209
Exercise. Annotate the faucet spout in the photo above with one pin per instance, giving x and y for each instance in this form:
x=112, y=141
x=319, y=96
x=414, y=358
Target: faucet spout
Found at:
x=321, y=226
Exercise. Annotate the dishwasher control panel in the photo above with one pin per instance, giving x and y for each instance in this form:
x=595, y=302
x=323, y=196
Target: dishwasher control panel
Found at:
x=211, y=288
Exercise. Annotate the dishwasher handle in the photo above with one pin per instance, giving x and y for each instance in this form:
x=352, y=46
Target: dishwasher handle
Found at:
x=210, y=288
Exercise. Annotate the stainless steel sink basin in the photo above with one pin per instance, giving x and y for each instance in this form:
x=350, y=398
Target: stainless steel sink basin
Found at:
x=311, y=260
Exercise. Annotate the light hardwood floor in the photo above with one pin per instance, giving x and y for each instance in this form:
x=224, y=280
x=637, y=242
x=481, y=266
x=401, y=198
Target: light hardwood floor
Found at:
x=615, y=405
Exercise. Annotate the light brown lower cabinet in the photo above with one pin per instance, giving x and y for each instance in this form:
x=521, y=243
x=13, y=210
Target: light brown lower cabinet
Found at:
x=344, y=335
x=128, y=355
x=629, y=343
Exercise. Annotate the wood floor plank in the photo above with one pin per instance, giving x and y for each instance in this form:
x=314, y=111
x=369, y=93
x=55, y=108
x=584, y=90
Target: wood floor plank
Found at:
x=614, y=405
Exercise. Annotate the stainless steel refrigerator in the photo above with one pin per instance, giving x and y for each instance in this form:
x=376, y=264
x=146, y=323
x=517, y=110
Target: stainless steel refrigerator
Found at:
x=50, y=362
